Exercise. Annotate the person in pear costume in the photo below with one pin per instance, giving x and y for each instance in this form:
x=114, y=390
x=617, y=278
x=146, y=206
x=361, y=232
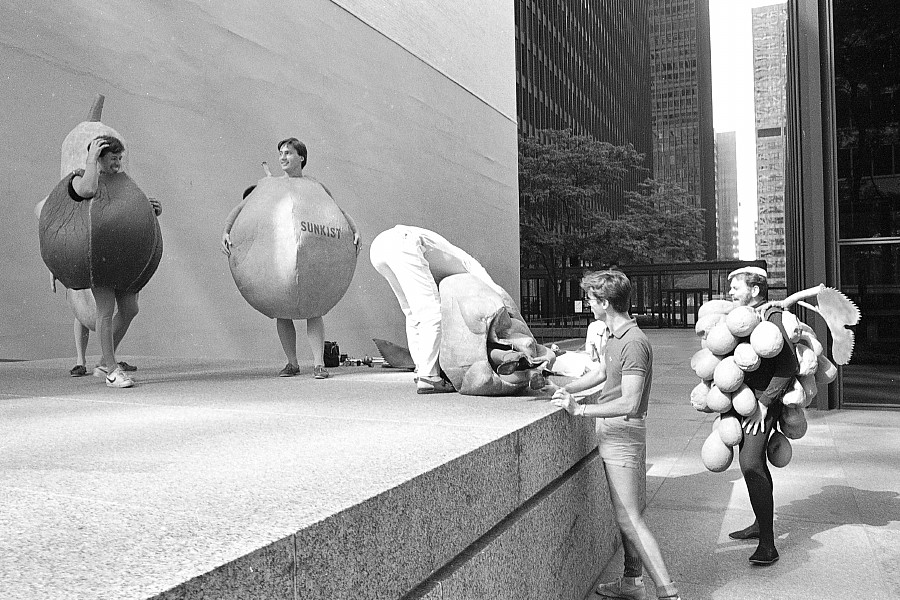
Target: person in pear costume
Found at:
x=99, y=231
x=292, y=252
x=85, y=311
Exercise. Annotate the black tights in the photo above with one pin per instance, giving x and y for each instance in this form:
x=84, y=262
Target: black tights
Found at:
x=755, y=468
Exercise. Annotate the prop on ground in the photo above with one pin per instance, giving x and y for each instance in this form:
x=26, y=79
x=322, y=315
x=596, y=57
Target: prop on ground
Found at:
x=476, y=319
x=736, y=339
x=112, y=240
x=292, y=253
x=395, y=356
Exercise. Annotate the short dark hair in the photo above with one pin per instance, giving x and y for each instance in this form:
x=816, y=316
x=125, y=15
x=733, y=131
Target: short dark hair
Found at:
x=612, y=285
x=751, y=279
x=297, y=145
x=114, y=144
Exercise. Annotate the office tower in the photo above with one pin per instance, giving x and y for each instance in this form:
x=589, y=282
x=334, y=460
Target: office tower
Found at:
x=770, y=97
x=681, y=103
x=726, y=196
x=585, y=66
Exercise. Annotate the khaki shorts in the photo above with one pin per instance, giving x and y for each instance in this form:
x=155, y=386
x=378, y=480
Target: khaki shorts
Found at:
x=623, y=441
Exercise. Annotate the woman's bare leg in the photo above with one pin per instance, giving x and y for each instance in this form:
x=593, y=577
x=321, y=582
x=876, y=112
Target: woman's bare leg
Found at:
x=288, y=336
x=105, y=299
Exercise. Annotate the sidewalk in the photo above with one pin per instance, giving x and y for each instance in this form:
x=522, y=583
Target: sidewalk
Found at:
x=837, y=504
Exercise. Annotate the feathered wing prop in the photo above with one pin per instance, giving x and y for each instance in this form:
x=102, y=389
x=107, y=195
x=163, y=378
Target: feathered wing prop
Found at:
x=839, y=312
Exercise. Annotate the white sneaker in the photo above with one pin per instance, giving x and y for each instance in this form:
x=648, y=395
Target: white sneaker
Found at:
x=118, y=379
x=627, y=588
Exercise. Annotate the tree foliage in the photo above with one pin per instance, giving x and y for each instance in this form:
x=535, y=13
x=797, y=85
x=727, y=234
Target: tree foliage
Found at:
x=662, y=223
x=564, y=180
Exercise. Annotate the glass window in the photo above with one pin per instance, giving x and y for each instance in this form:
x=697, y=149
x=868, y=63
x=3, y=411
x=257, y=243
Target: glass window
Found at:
x=870, y=276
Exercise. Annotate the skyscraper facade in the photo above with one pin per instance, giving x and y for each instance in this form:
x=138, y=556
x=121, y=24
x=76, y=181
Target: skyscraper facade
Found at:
x=727, y=196
x=681, y=103
x=867, y=107
x=770, y=96
x=843, y=187
x=584, y=66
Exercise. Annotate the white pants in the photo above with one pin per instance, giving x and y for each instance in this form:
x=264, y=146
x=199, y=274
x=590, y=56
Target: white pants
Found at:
x=399, y=254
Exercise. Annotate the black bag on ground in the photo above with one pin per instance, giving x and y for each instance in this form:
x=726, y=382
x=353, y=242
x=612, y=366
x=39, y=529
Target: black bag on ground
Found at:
x=332, y=354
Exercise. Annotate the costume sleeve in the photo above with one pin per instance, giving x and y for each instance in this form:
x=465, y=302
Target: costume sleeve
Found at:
x=233, y=215
x=72, y=193
x=780, y=369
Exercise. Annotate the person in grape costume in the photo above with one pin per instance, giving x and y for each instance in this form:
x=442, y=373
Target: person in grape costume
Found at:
x=769, y=383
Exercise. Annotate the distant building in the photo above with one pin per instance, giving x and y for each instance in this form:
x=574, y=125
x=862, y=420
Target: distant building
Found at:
x=585, y=66
x=727, y=196
x=681, y=103
x=770, y=98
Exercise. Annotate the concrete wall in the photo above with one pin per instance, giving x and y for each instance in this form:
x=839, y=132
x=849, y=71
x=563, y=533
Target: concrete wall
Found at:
x=407, y=108
x=525, y=516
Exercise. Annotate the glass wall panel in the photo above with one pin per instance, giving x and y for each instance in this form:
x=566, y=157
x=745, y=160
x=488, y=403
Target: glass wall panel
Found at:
x=867, y=82
x=871, y=278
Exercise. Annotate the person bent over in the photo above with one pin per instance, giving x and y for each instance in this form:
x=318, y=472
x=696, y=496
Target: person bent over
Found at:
x=414, y=261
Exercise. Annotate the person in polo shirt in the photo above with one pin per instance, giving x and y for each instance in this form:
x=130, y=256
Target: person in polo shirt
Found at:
x=620, y=408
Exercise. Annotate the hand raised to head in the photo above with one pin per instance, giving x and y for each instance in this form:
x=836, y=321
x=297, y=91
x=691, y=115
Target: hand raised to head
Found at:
x=95, y=148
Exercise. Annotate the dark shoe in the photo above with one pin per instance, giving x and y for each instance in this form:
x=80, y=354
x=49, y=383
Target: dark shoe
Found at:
x=78, y=371
x=537, y=381
x=126, y=367
x=320, y=372
x=748, y=533
x=508, y=368
x=764, y=556
x=289, y=370
x=426, y=385
x=507, y=361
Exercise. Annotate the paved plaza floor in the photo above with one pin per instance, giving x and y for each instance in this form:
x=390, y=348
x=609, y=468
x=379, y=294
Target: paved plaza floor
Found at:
x=837, y=504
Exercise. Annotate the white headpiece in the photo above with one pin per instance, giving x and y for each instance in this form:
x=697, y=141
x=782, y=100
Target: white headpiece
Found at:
x=748, y=271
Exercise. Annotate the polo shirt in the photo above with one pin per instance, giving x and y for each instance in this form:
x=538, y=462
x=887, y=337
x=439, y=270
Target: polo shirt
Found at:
x=628, y=351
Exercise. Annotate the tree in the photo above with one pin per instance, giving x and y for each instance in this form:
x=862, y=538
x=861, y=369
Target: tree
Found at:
x=563, y=179
x=662, y=223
